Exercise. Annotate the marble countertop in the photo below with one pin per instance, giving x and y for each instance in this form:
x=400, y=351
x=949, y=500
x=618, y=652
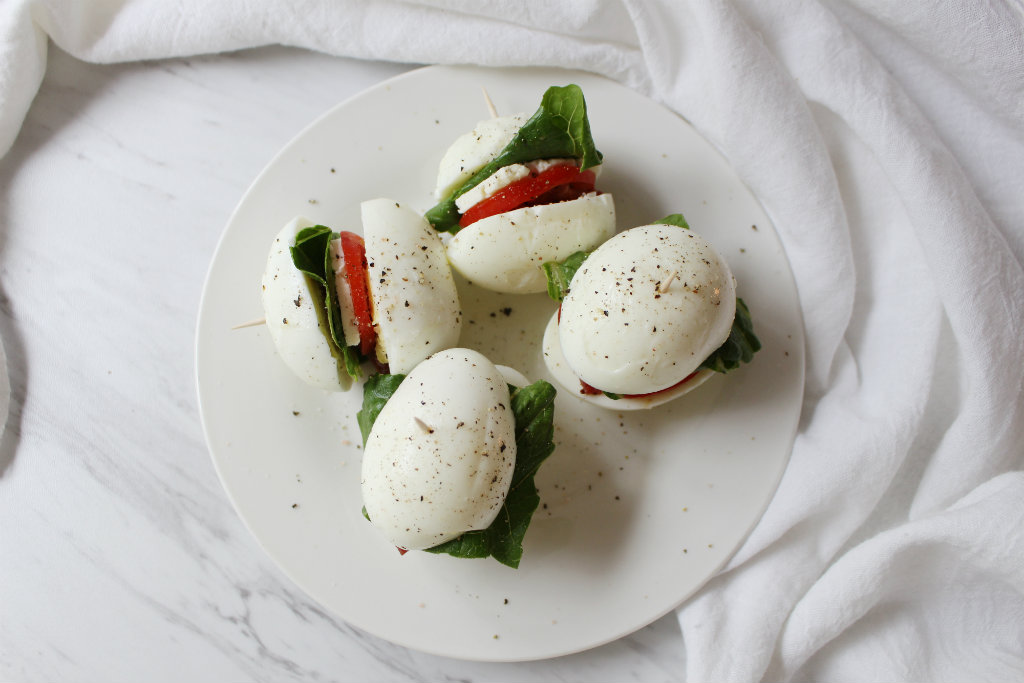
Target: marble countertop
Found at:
x=121, y=557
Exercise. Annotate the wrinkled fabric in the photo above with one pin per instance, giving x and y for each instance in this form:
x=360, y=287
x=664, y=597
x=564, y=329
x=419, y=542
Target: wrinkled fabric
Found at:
x=886, y=143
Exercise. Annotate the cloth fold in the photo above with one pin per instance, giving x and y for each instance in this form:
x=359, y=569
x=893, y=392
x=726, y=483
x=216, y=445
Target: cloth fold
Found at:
x=886, y=143
x=5, y=390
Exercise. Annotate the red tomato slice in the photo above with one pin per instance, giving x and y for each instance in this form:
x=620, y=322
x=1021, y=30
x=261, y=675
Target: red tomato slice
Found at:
x=354, y=250
x=563, y=193
x=588, y=390
x=530, y=189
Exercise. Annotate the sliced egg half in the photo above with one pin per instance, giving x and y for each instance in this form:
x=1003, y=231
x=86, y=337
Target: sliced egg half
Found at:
x=439, y=459
x=416, y=308
x=296, y=318
x=473, y=150
x=643, y=312
x=505, y=252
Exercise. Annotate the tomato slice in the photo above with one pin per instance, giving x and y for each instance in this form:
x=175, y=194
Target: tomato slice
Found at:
x=588, y=390
x=563, y=193
x=354, y=250
x=531, y=190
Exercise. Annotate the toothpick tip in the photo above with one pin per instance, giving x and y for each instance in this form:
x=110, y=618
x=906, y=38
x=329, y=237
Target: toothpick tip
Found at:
x=663, y=287
x=490, y=104
x=251, y=323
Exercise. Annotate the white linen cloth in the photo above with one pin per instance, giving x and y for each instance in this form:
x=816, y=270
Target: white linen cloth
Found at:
x=5, y=389
x=886, y=142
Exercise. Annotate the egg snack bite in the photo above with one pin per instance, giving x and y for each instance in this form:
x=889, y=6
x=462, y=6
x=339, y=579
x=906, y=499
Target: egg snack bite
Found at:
x=645, y=318
x=334, y=301
x=516, y=193
x=450, y=453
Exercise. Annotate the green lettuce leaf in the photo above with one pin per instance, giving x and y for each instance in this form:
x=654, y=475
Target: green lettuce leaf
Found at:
x=534, y=410
x=559, y=274
x=311, y=254
x=739, y=348
x=559, y=128
x=376, y=392
x=674, y=219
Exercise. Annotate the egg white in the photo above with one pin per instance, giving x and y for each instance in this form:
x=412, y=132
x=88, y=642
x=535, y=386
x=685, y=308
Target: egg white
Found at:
x=439, y=459
x=563, y=374
x=296, y=318
x=416, y=308
x=504, y=253
x=513, y=376
x=646, y=309
x=473, y=150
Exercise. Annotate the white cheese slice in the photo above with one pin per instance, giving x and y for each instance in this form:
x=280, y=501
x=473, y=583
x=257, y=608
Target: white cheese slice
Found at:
x=341, y=285
x=499, y=180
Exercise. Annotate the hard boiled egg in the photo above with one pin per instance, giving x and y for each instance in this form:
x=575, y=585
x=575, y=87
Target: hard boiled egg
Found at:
x=473, y=150
x=524, y=213
x=439, y=459
x=642, y=313
x=296, y=317
x=504, y=252
x=415, y=304
x=412, y=300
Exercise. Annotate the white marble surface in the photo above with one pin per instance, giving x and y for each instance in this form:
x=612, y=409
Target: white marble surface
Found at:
x=121, y=558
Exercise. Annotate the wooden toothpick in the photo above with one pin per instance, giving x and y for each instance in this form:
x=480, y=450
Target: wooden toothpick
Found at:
x=667, y=283
x=490, y=105
x=251, y=323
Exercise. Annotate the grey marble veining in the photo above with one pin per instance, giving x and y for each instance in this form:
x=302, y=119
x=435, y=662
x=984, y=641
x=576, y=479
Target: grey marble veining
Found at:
x=121, y=557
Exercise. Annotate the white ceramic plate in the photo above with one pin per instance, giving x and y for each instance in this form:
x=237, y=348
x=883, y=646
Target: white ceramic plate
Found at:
x=638, y=509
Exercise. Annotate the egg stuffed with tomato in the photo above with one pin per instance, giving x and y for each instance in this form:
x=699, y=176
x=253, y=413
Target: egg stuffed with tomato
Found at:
x=517, y=192
x=647, y=317
x=336, y=300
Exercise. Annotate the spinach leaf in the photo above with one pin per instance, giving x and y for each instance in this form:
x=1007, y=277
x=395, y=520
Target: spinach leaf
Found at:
x=559, y=275
x=559, y=128
x=311, y=254
x=674, y=219
x=376, y=392
x=739, y=347
x=534, y=411
x=533, y=408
